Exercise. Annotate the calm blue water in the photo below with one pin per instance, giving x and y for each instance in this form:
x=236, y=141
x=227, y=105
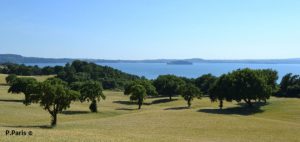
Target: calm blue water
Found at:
x=152, y=70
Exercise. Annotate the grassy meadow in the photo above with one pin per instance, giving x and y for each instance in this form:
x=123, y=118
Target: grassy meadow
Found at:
x=159, y=120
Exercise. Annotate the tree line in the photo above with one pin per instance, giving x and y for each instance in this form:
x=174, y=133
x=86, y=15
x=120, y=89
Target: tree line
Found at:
x=84, y=81
x=54, y=94
x=21, y=69
x=77, y=71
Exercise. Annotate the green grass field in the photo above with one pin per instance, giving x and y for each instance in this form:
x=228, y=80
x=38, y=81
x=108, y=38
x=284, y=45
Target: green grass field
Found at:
x=158, y=121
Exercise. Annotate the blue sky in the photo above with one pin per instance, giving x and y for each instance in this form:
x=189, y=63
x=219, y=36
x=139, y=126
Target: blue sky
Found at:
x=151, y=29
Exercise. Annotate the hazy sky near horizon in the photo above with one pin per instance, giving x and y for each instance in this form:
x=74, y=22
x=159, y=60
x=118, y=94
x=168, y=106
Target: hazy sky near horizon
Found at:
x=151, y=29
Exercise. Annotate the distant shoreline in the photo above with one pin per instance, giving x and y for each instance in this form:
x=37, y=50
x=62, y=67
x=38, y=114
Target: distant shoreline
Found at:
x=180, y=62
x=13, y=58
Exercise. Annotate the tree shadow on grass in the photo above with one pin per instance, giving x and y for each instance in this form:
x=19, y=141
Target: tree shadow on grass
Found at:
x=176, y=108
x=243, y=110
x=13, y=101
x=31, y=126
x=127, y=109
x=255, y=104
x=163, y=101
x=129, y=103
x=125, y=102
x=3, y=84
x=74, y=112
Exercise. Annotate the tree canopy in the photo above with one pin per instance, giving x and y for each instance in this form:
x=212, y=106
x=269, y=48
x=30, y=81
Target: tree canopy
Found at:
x=21, y=69
x=290, y=86
x=10, y=78
x=54, y=96
x=271, y=77
x=167, y=85
x=91, y=91
x=220, y=90
x=241, y=85
x=150, y=89
x=137, y=93
x=77, y=71
x=26, y=85
x=205, y=82
x=80, y=71
x=189, y=92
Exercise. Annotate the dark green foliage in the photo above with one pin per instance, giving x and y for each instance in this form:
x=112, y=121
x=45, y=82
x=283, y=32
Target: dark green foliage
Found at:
x=76, y=85
x=188, y=80
x=220, y=90
x=21, y=69
x=150, y=89
x=137, y=93
x=189, y=92
x=27, y=86
x=290, y=86
x=249, y=85
x=83, y=71
x=54, y=96
x=271, y=77
x=205, y=82
x=9, y=68
x=10, y=78
x=91, y=91
x=77, y=71
x=241, y=85
x=47, y=70
x=167, y=85
x=55, y=81
x=110, y=83
x=58, y=69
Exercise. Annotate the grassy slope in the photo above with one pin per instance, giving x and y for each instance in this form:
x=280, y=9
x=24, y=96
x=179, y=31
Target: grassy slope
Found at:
x=169, y=121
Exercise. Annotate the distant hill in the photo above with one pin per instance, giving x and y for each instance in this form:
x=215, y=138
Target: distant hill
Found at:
x=180, y=62
x=13, y=58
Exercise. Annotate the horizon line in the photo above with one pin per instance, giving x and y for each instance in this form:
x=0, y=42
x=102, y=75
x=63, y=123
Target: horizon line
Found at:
x=85, y=58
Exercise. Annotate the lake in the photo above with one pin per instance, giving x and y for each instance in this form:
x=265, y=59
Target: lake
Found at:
x=152, y=70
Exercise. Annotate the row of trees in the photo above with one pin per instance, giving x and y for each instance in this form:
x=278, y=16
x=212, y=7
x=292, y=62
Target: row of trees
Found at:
x=167, y=85
x=244, y=85
x=10, y=68
x=77, y=71
x=54, y=94
x=84, y=81
x=241, y=85
x=110, y=78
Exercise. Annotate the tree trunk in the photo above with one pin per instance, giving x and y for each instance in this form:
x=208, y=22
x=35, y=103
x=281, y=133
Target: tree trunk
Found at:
x=221, y=104
x=189, y=103
x=140, y=102
x=93, y=106
x=54, y=119
x=248, y=102
x=26, y=100
x=170, y=97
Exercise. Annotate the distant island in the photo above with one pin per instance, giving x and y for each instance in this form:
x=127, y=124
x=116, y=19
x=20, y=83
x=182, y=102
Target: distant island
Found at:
x=179, y=62
x=19, y=59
